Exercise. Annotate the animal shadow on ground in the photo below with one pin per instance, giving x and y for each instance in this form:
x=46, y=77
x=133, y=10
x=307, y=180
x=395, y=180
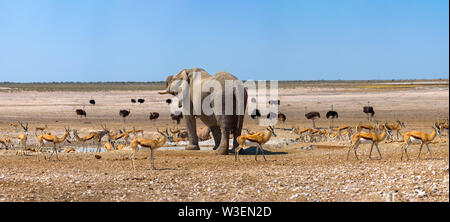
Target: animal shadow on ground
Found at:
x=252, y=149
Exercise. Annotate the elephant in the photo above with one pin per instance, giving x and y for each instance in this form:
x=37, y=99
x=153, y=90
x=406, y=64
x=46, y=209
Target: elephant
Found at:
x=221, y=124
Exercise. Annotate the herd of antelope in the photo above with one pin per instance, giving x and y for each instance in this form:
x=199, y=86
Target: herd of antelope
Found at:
x=118, y=139
x=373, y=134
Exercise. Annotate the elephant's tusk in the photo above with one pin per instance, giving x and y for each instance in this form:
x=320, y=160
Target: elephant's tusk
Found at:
x=163, y=92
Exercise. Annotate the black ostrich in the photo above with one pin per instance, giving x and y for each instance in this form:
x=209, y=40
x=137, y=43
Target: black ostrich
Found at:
x=368, y=110
x=133, y=100
x=154, y=115
x=124, y=113
x=280, y=116
x=176, y=116
x=331, y=115
x=141, y=101
x=255, y=114
x=92, y=102
x=168, y=101
x=81, y=113
x=274, y=102
x=312, y=116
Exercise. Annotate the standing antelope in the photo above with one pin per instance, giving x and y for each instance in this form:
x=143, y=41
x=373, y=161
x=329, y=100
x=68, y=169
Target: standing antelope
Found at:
x=40, y=128
x=369, y=128
x=123, y=135
x=302, y=133
x=260, y=138
x=91, y=136
x=397, y=127
x=22, y=138
x=135, y=131
x=343, y=129
x=46, y=138
x=419, y=137
x=153, y=144
x=372, y=138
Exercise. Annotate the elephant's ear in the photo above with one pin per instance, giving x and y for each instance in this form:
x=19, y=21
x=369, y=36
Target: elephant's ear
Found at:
x=190, y=73
x=168, y=80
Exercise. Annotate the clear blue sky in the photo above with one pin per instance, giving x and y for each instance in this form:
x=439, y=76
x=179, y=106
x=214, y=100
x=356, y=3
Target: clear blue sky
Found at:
x=111, y=40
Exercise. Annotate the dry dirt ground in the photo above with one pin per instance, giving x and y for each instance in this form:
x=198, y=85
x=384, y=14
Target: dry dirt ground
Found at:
x=289, y=174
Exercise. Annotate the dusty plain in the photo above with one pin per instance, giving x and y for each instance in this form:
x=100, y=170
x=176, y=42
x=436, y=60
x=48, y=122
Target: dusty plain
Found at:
x=289, y=174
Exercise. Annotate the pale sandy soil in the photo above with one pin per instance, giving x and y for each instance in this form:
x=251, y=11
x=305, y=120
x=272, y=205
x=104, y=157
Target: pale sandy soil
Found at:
x=289, y=174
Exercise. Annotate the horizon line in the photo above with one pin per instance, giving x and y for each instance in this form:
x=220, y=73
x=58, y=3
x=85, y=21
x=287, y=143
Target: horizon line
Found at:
x=156, y=82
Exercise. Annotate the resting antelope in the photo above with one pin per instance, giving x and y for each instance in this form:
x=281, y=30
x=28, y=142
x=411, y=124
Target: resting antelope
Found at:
x=260, y=138
x=204, y=133
x=419, y=137
x=152, y=144
x=6, y=142
x=94, y=137
x=22, y=138
x=372, y=138
x=177, y=135
x=15, y=125
x=46, y=138
x=108, y=146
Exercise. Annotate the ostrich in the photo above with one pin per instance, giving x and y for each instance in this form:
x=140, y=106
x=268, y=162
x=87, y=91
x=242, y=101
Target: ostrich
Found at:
x=312, y=116
x=154, y=115
x=92, y=102
x=255, y=114
x=124, y=113
x=141, y=101
x=280, y=116
x=176, y=116
x=274, y=102
x=168, y=101
x=331, y=115
x=133, y=100
x=81, y=113
x=368, y=110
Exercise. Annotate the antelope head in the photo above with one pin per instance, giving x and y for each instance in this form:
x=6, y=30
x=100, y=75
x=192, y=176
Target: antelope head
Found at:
x=437, y=129
x=67, y=130
x=25, y=128
x=104, y=128
x=270, y=128
x=388, y=130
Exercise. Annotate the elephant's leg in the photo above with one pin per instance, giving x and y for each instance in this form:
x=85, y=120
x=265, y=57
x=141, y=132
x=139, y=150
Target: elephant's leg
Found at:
x=237, y=130
x=224, y=141
x=192, y=130
x=215, y=130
